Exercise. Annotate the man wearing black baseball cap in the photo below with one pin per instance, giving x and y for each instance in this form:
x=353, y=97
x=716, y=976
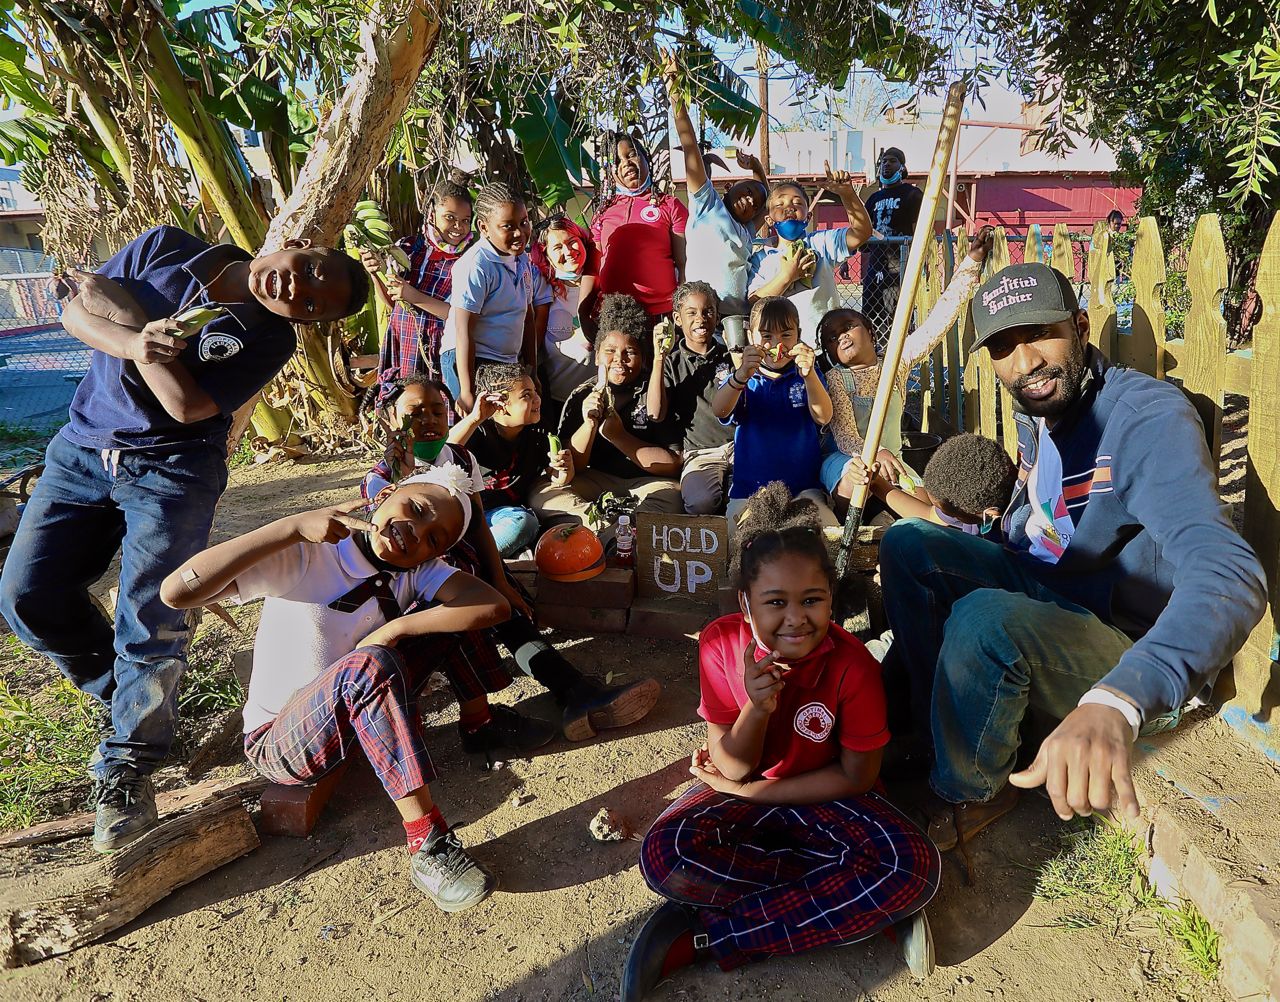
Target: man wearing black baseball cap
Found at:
x=1117, y=589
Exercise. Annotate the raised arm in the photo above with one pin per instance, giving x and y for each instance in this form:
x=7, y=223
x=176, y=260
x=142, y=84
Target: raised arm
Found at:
x=841, y=183
x=695, y=170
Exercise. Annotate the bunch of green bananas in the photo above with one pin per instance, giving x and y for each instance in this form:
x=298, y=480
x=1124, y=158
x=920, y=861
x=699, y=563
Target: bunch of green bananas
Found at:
x=371, y=230
x=195, y=318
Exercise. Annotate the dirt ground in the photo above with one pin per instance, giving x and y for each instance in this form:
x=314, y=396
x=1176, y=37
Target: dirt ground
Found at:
x=334, y=916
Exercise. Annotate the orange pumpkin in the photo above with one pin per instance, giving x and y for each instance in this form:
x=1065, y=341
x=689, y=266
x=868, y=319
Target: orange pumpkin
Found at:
x=569, y=553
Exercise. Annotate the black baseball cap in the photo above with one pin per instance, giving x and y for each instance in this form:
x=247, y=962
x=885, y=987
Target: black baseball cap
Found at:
x=1018, y=295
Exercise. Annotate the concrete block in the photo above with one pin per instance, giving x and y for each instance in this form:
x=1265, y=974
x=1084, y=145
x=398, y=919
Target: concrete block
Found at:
x=294, y=810
x=614, y=588
x=668, y=620
x=581, y=619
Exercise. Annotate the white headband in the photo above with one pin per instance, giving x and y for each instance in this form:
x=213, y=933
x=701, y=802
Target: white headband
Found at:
x=454, y=479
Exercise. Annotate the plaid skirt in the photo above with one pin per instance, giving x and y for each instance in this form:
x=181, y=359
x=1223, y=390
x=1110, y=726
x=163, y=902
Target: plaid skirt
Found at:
x=772, y=880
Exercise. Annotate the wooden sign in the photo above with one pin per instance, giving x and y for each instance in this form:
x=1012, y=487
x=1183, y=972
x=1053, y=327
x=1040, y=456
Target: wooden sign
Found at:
x=681, y=556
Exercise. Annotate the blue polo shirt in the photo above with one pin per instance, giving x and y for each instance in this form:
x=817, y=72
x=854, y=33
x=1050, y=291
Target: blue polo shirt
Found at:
x=499, y=289
x=231, y=359
x=775, y=437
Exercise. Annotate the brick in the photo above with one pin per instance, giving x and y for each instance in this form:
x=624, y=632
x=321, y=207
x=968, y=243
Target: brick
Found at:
x=668, y=620
x=613, y=588
x=294, y=810
x=581, y=619
x=1168, y=854
x=1204, y=882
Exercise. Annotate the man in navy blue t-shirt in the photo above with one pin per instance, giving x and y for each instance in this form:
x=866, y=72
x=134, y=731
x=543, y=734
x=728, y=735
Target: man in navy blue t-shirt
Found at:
x=139, y=469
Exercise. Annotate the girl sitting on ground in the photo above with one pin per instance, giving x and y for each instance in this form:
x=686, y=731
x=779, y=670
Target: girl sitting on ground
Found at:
x=609, y=430
x=782, y=846
x=496, y=294
x=586, y=704
x=565, y=257
x=852, y=369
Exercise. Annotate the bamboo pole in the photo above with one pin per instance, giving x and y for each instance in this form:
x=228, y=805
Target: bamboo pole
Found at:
x=921, y=241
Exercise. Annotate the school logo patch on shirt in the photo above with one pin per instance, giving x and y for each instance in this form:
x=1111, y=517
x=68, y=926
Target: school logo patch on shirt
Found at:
x=640, y=413
x=219, y=347
x=797, y=394
x=650, y=213
x=814, y=721
x=722, y=372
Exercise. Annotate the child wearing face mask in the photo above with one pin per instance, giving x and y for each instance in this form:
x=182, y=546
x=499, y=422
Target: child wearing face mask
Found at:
x=419, y=300
x=782, y=846
x=777, y=404
x=357, y=615
x=639, y=230
x=565, y=256
x=487, y=731
x=802, y=265
x=608, y=427
x=496, y=299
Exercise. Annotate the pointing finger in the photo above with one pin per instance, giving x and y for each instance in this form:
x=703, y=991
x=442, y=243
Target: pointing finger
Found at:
x=351, y=505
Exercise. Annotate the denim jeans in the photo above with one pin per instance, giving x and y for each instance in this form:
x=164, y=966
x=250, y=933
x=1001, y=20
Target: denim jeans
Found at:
x=980, y=640
x=449, y=371
x=513, y=528
x=156, y=508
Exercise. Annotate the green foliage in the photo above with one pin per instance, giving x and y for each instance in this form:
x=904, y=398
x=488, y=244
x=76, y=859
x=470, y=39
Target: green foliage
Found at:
x=1197, y=941
x=1127, y=71
x=44, y=744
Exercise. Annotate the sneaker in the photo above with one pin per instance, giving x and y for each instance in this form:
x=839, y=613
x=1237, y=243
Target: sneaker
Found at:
x=444, y=872
x=507, y=731
x=126, y=807
x=916, y=939
x=592, y=706
x=951, y=824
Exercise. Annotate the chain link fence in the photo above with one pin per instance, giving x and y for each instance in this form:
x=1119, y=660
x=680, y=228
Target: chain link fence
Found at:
x=40, y=364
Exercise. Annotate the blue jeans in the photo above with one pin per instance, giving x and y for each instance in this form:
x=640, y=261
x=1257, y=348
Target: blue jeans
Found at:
x=159, y=504
x=513, y=528
x=833, y=464
x=980, y=640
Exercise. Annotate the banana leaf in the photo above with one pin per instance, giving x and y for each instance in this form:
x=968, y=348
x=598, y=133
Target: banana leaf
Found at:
x=553, y=154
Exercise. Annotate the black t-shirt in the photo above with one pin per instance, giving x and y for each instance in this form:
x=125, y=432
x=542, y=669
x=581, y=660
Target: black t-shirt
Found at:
x=510, y=467
x=893, y=213
x=692, y=381
x=629, y=402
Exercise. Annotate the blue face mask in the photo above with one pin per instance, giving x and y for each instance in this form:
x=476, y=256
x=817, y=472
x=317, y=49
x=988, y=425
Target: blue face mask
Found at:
x=791, y=229
x=568, y=276
x=894, y=179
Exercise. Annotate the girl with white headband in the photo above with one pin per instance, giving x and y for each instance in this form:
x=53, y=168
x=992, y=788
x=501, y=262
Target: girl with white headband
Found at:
x=358, y=613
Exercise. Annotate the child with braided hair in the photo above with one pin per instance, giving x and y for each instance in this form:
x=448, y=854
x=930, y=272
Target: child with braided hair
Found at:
x=640, y=232
x=495, y=298
x=782, y=845
x=419, y=300
x=566, y=257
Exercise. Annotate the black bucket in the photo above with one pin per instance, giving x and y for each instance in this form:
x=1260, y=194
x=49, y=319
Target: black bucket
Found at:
x=918, y=448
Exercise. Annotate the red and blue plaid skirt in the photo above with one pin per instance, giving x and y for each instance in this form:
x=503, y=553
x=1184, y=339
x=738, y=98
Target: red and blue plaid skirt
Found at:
x=771, y=879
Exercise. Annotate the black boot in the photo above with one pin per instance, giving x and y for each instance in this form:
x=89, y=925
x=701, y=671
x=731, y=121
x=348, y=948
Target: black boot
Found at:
x=651, y=959
x=506, y=731
x=126, y=807
x=591, y=706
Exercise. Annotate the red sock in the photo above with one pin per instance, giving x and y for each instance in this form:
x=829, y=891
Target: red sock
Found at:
x=417, y=832
x=472, y=720
x=681, y=954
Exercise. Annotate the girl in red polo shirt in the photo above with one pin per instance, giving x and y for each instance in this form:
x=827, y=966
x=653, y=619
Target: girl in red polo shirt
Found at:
x=782, y=846
x=640, y=232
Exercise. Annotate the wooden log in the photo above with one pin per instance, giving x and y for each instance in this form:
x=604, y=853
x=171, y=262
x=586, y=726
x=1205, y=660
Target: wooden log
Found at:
x=1102, y=277
x=1143, y=348
x=1257, y=686
x=1205, y=361
x=53, y=905
x=75, y=825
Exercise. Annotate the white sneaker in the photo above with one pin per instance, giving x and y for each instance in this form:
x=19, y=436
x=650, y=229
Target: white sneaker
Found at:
x=444, y=872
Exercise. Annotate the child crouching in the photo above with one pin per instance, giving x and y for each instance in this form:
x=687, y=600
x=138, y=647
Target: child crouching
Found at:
x=782, y=847
x=357, y=616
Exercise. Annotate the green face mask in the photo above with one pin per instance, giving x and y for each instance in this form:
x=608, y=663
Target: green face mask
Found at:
x=427, y=451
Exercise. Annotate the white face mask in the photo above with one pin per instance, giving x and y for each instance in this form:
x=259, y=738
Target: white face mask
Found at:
x=746, y=614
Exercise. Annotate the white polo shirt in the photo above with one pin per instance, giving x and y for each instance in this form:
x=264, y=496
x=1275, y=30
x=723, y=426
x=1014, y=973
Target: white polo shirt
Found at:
x=300, y=636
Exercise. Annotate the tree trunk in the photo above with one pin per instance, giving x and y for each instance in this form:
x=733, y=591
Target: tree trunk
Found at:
x=348, y=146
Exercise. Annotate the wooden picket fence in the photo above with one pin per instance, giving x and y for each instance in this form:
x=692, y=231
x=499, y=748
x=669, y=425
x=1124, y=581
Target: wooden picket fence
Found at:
x=1200, y=362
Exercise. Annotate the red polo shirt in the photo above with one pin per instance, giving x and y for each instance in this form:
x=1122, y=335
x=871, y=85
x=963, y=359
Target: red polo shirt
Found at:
x=831, y=699
x=634, y=237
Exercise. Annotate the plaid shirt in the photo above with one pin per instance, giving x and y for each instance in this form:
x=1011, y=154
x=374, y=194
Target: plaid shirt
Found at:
x=430, y=271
